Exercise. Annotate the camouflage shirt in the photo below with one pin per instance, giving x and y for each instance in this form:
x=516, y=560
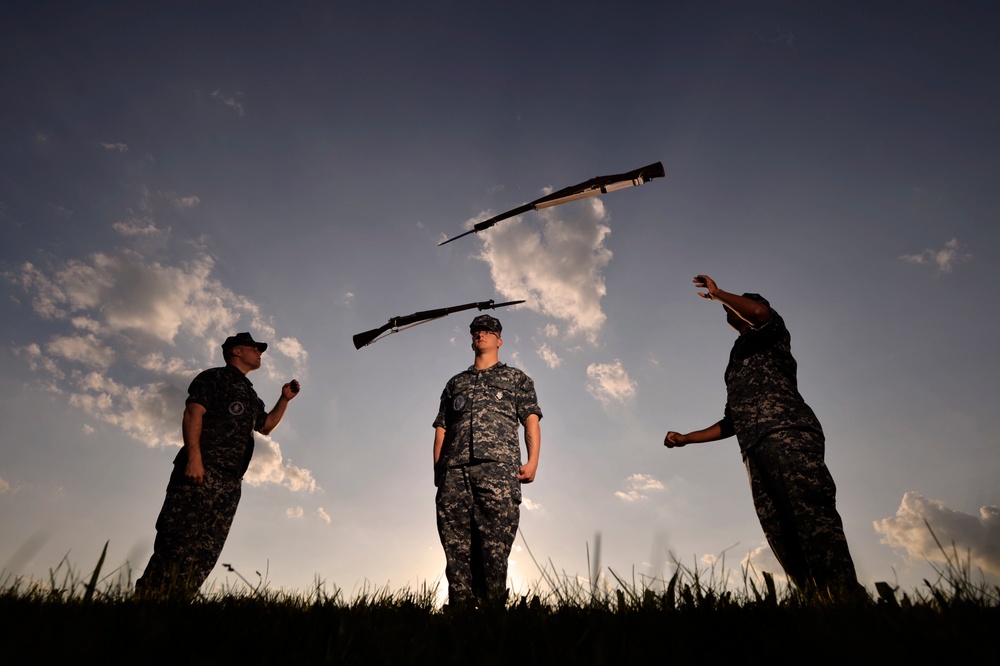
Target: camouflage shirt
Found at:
x=481, y=410
x=232, y=412
x=761, y=386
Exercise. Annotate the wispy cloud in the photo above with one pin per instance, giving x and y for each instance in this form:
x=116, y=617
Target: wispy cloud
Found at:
x=232, y=100
x=557, y=269
x=638, y=487
x=609, y=382
x=943, y=259
x=115, y=147
x=323, y=515
x=549, y=356
x=979, y=536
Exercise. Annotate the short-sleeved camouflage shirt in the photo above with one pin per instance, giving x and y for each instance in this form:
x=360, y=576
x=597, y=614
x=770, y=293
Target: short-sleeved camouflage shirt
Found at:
x=481, y=411
x=762, y=388
x=232, y=412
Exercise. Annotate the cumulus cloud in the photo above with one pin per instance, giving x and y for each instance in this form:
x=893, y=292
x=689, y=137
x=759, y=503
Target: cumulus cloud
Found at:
x=128, y=333
x=294, y=512
x=529, y=505
x=609, y=382
x=975, y=536
x=269, y=466
x=232, y=100
x=637, y=487
x=762, y=559
x=944, y=259
x=556, y=269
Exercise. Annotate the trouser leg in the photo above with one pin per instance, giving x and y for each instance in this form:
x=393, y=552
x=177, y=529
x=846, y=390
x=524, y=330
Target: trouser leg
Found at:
x=795, y=498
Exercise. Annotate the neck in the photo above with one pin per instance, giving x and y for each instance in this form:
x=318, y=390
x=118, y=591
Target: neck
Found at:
x=484, y=361
x=240, y=365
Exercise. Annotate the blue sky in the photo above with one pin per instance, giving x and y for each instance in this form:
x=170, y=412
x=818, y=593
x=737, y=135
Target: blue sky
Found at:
x=173, y=174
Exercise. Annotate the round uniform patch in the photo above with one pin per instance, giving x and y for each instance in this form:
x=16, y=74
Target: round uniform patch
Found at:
x=458, y=404
x=237, y=408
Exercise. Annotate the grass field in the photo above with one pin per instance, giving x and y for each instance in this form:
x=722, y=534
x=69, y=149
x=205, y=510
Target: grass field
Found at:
x=74, y=618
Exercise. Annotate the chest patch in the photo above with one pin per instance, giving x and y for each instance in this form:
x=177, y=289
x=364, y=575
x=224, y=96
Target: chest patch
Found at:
x=458, y=404
x=237, y=408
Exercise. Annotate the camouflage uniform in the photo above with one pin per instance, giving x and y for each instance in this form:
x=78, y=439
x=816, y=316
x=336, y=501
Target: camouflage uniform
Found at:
x=479, y=494
x=783, y=448
x=194, y=522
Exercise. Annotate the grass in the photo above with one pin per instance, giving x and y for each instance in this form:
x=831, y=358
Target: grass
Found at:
x=698, y=613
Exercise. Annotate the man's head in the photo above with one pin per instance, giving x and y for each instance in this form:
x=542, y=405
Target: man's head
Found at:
x=243, y=349
x=488, y=329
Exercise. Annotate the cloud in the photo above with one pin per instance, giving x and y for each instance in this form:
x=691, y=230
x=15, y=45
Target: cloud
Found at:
x=128, y=333
x=269, y=466
x=944, y=259
x=294, y=512
x=609, y=382
x=531, y=506
x=762, y=559
x=4, y=486
x=637, y=486
x=115, y=147
x=550, y=357
x=232, y=100
x=975, y=536
x=558, y=269
x=178, y=201
x=323, y=515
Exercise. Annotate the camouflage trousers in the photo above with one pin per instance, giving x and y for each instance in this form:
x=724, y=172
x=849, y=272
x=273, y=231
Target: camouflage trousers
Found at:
x=795, y=497
x=190, y=532
x=478, y=510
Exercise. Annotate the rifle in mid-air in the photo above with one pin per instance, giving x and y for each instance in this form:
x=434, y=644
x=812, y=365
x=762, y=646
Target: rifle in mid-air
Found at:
x=589, y=188
x=396, y=324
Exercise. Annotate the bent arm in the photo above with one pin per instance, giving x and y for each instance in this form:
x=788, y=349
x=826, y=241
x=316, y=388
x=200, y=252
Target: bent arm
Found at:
x=288, y=391
x=191, y=431
x=712, y=433
x=752, y=312
x=533, y=443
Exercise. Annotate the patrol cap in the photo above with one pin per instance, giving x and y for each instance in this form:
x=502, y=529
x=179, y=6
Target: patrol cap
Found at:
x=756, y=297
x=242, y=339
x=485, y=323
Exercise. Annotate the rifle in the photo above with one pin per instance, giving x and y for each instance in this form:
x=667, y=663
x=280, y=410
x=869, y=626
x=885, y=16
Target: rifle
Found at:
x=588, y=188
x=369, y=337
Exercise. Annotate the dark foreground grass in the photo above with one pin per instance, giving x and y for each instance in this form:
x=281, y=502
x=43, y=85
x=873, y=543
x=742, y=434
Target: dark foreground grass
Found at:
x=82, y=619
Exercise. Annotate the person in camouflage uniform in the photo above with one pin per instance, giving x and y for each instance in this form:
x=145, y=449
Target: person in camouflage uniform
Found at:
x=221, y=413
x=478, y=470
x=783, y=447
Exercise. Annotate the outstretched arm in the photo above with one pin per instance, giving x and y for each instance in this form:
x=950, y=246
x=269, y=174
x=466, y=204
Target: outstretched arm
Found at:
x=752, y=312
x=712, y=433
x=288, y=391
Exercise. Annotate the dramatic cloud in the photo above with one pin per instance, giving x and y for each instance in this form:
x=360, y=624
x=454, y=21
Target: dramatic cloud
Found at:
x=609, y=382
x=558, y=269
x=136, y=331
x=637, y=486
x=961, y=534
x=944, y=259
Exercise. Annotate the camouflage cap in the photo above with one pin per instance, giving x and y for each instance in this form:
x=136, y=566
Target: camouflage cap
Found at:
x=242, y=339
x=485, y=323
x=756, y=297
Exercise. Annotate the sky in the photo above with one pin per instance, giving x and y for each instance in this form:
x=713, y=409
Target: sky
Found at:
x=173, y=173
